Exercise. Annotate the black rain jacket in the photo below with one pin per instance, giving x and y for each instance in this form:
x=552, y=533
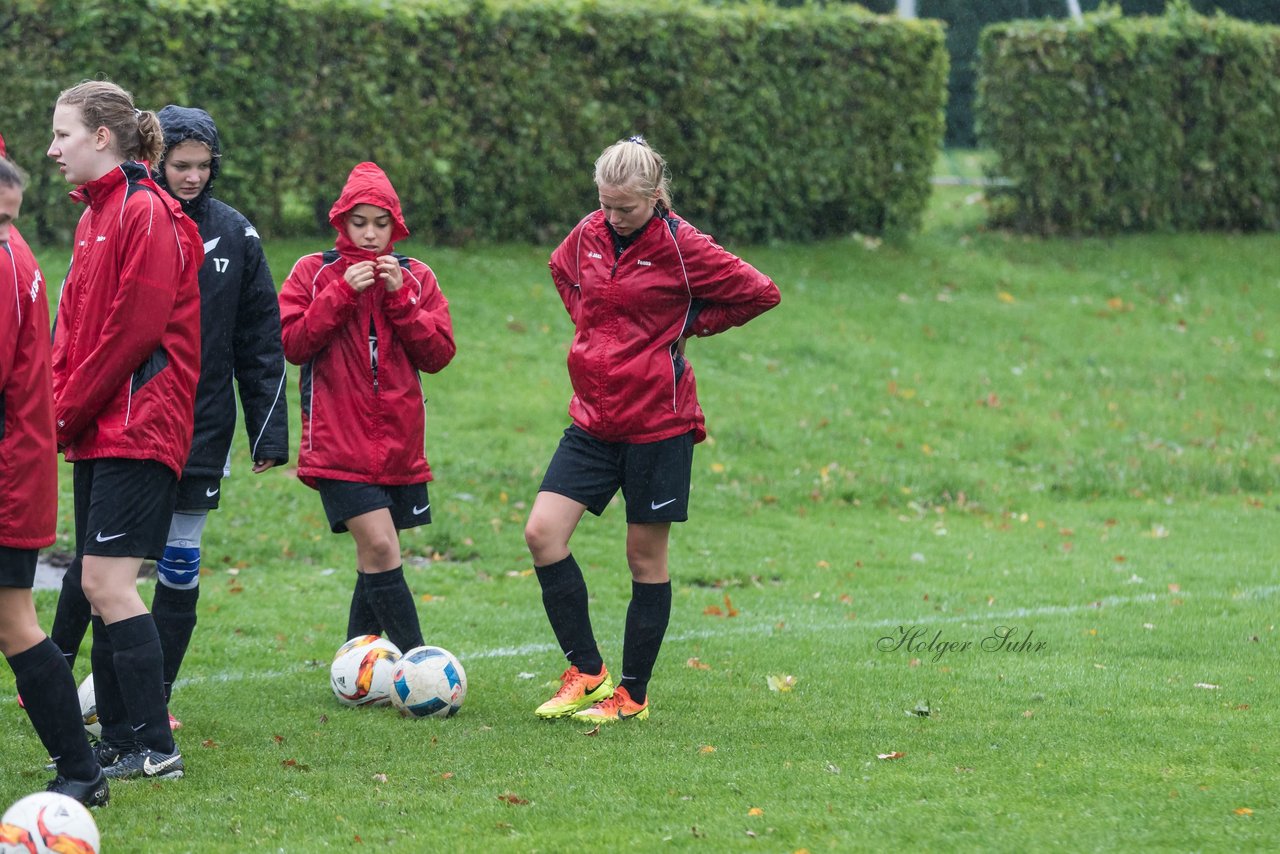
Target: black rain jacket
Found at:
x=239, y=320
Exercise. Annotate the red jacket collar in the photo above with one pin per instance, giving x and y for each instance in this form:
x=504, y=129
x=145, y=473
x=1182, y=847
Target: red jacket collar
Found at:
x=94, y=193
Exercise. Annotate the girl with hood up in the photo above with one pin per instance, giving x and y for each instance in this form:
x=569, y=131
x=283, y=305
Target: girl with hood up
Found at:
x=240, y=347
x=362, y=321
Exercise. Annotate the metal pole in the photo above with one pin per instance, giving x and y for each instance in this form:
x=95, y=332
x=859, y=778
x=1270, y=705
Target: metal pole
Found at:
x=1073, y=9
x=906, y=8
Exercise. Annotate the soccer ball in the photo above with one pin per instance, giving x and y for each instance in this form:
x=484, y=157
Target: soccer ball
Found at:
x=361, y=671
x=428, y=682
x=89, y=708
x=48, y=822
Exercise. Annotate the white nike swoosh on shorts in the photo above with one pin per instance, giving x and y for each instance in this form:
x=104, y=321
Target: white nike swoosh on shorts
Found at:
x=103, y=539
x=418, y=511
x=653, y=505
x=209, y=493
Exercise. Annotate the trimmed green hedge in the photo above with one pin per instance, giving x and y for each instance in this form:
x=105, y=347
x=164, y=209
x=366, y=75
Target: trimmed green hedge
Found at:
x=1121, y=124
x=778, y=123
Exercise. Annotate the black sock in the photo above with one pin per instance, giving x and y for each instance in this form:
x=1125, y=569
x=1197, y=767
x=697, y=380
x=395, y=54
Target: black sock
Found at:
x=48, y=691
x=361, y=619
x=140, y=671
x=392, y=603
x=564, y=596
x=174, y=612
x=71, y=620
x=647, y=618
x=112, y=714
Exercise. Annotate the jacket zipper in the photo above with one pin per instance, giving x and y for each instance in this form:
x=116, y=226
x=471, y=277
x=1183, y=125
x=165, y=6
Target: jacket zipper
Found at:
x=373, y=352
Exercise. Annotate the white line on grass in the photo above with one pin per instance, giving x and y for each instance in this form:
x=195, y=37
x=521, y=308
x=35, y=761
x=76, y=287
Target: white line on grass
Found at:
x=791, y=626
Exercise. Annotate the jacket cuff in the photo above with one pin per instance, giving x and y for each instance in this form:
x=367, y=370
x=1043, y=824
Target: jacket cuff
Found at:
x=402, y=301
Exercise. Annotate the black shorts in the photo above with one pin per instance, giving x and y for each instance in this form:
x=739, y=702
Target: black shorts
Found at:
x=343, y=499
x=653, y=476
x=18, y=567
x=198, y=493
x=123, y=507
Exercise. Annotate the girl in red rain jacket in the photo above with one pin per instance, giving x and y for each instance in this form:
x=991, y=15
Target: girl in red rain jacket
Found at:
x=362, y=321
x=637, y=281
x=29, y=506
x=126, y=356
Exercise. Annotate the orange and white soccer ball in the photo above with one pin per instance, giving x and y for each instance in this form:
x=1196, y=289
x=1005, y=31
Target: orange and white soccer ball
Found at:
x=361, y=671
x=89, y=707
x=48, y=822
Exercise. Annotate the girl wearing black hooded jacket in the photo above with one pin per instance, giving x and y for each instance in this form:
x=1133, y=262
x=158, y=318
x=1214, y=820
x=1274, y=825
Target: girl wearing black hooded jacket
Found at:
x=240, y=335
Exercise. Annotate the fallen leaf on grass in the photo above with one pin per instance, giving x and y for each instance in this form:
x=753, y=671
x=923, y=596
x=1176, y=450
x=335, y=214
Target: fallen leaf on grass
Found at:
x=278, y=739
x=512, y=799
x=208, y=742
x=717, y=611
x=447, y=775
x=780, y=682
x=295, y=764
x=755, y=811
x=697, y=665
x=1244, y=811
x=921, y=710
x=1208, y=686
x=593, y=731
x=706, y=748
x=379, y=778
x=1029, y=714
x=897, y=754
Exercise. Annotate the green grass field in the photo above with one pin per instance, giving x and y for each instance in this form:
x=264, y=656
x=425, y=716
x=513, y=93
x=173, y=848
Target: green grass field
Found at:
x=1002, y=509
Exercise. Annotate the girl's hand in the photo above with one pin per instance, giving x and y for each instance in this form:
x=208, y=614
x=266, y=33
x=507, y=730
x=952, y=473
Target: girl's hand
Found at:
x=359, y=276
x=389, y=271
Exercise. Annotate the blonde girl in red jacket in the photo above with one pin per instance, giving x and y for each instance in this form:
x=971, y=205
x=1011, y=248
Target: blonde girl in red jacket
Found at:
x=362, y=321
x=638, y=281
x=126, y=356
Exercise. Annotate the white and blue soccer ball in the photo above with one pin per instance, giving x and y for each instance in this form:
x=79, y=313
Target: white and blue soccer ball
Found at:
x=361, y=671
x=89, y=708
x=48, y=822
x=428, y=682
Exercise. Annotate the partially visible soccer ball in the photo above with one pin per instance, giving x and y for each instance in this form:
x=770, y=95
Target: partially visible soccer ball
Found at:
x=48, y=822
x=361, y=671
x=428, y=682
x=89, y=708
